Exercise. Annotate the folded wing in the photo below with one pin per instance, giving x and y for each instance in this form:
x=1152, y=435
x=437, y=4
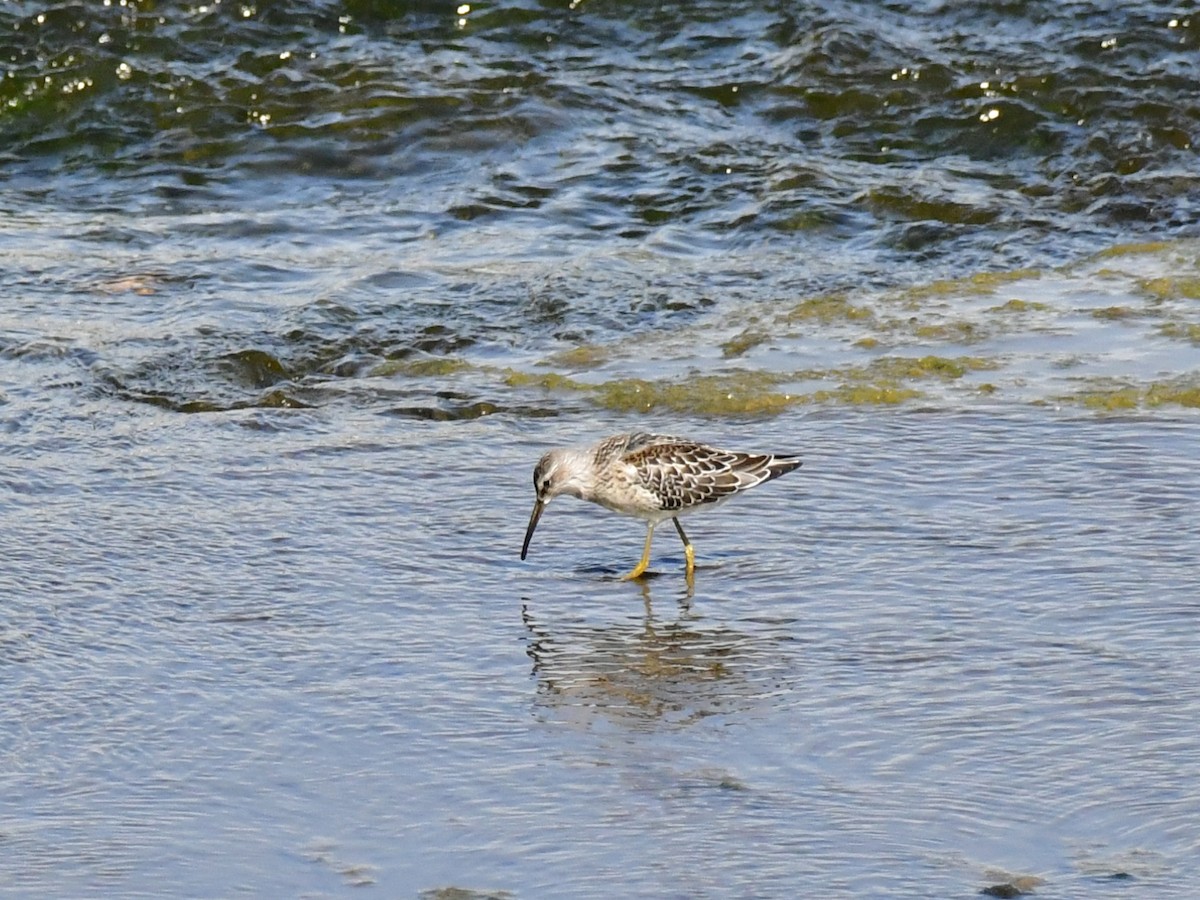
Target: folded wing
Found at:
x=685, y=474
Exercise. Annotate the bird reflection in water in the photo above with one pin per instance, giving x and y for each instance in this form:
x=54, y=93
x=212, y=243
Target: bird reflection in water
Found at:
x=644, y=671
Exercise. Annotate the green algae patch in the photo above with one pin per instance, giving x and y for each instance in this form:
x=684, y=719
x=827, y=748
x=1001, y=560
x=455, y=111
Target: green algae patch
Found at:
x=1134, y=249
x=1160, y=394
x=989, y=281
x=979, y=284
x=747, y=393
x=866, y=395
x=1115, y=313
x=743, y=343
x=1016, y=305
x=744, y=393
x=1112, y=400
x=914, y=368
x=740, y=393
x=1119, y=398
x=1186, y=331
x=1172, y=287
x=950, y=332
x=425, y=367
x=825, y=309
x=588, y=356
x=550, y=381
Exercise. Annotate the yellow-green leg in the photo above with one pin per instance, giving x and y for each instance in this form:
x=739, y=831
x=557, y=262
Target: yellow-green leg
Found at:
x=688, y=552
x=640, y=568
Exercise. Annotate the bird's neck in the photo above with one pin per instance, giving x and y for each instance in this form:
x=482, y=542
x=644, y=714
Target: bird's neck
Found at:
x=582, y=483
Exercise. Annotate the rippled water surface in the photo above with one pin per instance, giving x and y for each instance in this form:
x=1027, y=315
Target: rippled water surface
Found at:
x=952, y=651
x=293, y=297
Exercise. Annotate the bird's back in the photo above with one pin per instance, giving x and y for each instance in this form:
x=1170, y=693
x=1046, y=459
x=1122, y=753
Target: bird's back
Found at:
x=676, y=475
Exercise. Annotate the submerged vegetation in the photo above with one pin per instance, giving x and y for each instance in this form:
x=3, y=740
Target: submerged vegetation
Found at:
x=1028, y=330
x=1048, y=338
x=1116, y=398
x=885, y=381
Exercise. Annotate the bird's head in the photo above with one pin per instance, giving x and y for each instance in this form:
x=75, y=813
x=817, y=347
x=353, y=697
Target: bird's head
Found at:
x=558, y=472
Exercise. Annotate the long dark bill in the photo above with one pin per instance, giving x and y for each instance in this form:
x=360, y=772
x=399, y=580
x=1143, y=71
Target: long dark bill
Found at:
x=538, y=506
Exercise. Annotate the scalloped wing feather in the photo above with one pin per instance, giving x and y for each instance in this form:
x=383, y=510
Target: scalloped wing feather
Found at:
x=684, y=474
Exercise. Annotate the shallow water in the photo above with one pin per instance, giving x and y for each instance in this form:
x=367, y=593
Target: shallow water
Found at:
x=952, y=650
x=294, y=298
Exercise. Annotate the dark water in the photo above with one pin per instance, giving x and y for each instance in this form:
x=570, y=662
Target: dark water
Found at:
x=344, y=191
x=292, y=296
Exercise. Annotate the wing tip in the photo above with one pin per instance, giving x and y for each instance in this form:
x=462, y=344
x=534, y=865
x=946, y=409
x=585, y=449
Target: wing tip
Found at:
x=781, y=465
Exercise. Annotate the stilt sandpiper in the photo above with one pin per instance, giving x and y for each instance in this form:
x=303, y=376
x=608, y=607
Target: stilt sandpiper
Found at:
x=653, y=477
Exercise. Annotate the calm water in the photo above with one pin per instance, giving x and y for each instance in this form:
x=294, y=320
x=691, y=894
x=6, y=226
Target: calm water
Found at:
x=293, y=297
x=957, y=649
